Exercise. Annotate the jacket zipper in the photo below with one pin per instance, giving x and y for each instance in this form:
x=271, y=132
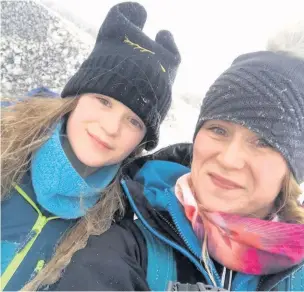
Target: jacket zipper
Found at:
x=179, y=233
x=25, y=247
x=166, y=221
x=214, y=272
x=163, y=238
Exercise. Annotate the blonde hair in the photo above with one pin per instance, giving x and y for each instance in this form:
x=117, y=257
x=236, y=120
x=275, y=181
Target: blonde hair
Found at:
x=25, y=126
x=288, y=206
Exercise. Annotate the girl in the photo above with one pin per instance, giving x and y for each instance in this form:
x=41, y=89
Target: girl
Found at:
x=61, y=156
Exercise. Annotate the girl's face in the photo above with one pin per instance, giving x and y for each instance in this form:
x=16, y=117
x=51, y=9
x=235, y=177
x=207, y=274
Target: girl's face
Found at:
x=103, y=131
x=235, y=171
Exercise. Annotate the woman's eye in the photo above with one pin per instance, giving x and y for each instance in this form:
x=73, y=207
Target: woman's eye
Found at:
x=218, y=131
x=104, y=101
x=136, y=123
x=262, y=143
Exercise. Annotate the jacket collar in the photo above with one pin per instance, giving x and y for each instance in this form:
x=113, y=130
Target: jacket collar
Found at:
x=179, y=153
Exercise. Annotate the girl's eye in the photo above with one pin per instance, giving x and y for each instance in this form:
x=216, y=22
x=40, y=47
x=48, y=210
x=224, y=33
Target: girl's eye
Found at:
x=218, y=130
x=136, y=123
x=104, y=101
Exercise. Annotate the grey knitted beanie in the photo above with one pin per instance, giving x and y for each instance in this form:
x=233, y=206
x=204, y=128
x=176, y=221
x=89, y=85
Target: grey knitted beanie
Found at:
x=263, y=91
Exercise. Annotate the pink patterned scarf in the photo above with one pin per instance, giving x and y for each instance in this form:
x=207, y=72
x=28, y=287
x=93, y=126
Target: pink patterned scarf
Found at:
x=247, y=245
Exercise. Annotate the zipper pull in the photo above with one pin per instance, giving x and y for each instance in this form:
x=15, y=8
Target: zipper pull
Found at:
x=38, y=268
x=39, y=224
x=36, y=230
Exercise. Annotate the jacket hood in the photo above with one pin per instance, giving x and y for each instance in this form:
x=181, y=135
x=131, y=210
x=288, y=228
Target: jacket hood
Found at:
x=180, y=153
x=158, y=179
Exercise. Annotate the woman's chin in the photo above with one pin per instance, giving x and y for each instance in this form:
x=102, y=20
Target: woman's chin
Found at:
x=215, y=206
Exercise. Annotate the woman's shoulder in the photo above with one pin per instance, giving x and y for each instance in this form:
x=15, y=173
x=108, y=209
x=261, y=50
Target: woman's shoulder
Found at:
x=180, y=153
x=122, y=236
x=114, y=260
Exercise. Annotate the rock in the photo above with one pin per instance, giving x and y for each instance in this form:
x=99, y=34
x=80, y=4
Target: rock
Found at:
x=17, y=60
x=36, y=44
x=17, y=71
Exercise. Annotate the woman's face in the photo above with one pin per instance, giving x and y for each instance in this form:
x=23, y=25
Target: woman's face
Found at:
x=103, y=131
x=235, y=171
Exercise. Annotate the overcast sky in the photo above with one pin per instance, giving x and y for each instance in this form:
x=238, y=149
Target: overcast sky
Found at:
x=209, y=33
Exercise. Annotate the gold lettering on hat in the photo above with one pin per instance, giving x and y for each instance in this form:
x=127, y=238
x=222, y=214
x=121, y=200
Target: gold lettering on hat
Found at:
x=142, y=50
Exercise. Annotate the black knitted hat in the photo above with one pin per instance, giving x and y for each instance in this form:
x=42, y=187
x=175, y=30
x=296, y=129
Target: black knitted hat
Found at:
x=127, y=65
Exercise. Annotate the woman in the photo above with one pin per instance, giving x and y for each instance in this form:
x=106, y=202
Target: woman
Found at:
x=61, y=157
x=233, y=221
